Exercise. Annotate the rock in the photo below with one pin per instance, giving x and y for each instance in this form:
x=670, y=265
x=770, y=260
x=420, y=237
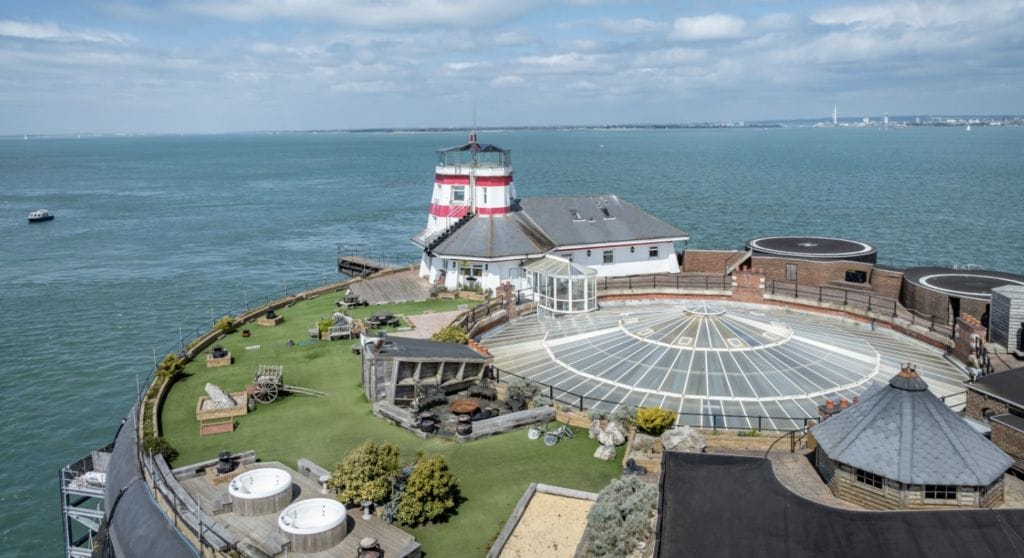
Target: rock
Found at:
x=643, y=443
x=683, y=439
x=605, y=453
x=595, y=428
x=218, y=398
x=612, y=435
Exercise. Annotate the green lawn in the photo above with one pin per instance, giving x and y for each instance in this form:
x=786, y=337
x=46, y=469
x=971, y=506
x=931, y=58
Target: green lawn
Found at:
x=493, y=472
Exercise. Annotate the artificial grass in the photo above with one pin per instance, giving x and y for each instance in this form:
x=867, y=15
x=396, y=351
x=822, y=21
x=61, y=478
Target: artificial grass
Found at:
x=493, y=472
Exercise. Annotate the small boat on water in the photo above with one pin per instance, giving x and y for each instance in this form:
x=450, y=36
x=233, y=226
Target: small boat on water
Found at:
x=40, y=215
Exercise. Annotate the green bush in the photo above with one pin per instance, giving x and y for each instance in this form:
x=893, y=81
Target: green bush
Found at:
x=451, y=334
x=620, y=518
x=365, y=473
x=323, y=326
x=170, y=367
x=594, y=413
x=654, y=420
x=431, y=492
x=156, y=444
x=225, y=324
x=519, y=393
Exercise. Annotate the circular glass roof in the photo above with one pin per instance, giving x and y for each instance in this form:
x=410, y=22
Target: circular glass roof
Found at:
x=738, y=361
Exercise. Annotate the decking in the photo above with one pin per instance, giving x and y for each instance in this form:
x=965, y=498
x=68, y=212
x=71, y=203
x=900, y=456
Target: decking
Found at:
x=262, y=534
x=401, y=286
x=358, y=266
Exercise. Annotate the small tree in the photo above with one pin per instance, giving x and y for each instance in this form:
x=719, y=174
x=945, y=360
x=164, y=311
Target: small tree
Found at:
x=324, y=325
x=225, y=324
x=451, y=334
x=654, y=420
x=430, y=492
x=519, y=393
x=365, y=473
x=620, y=518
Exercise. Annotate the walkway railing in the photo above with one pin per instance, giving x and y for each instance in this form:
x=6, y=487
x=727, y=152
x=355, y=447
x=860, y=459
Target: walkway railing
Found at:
x=715, y=421
x=666, y=281
x=862, y=300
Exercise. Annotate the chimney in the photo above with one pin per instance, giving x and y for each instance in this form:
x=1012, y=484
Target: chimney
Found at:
x=856, y=400
x=830, y=405
x=843, y=404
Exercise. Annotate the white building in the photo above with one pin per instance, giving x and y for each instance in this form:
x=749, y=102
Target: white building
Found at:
x=479, y=233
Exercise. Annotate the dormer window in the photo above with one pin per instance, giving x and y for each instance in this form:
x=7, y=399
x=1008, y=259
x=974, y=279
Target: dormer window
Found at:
x=607, y=214
x=576, y=215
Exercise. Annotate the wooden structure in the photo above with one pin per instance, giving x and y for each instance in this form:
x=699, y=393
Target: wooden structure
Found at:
x=218, y=421
x=268, y=384
x=400, y=369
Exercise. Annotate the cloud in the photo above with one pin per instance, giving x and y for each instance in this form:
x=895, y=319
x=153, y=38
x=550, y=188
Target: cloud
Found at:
x=463, y=66
x=632, y=26
x=382, y=15
x=708, y=27
x=48, y=31
x=507, y=81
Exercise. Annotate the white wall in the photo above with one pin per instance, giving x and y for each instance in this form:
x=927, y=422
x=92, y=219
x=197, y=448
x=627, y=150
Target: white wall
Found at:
x=637, y=262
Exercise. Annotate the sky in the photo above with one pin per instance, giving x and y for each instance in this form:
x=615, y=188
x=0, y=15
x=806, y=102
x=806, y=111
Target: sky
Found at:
x=209, y=66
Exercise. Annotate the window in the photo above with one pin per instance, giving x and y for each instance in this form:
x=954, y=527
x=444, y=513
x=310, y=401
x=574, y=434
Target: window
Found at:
x=608, y=256
x=652, y=252
x=868, y=478
x=485, y=195
x=459, y=194
x=790, y=272
x=471, y=270
x=939, y=492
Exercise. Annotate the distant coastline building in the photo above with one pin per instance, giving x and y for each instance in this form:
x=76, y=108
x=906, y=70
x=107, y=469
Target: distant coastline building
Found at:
x=480, y=234
x=901, y=447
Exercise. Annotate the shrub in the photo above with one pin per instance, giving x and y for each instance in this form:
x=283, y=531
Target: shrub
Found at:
x=225, y=324
x=156, y=444
x=170, y=367
x=654, y=420
x=324, y=325
x=519, y=393
x=621, y=518
x=542, y=401
x=594, y=413
x=365, y=473
x=451, y=334
x=622, y=415
x=430, y=492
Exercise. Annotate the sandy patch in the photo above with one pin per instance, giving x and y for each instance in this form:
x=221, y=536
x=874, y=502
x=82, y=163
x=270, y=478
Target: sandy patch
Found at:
x=551, y=526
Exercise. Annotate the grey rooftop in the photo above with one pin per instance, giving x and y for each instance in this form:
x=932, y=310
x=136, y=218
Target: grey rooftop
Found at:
x=905, y=433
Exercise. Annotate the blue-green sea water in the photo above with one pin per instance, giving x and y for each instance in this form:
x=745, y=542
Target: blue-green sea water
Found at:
x=157, y=233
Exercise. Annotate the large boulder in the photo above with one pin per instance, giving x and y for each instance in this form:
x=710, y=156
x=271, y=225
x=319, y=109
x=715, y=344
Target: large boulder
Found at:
x=612, y=435
x=595, y=428
x=605, y=453
x=683, y=439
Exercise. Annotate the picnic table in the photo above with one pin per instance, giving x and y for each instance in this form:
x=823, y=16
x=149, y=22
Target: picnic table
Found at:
x=382, y=319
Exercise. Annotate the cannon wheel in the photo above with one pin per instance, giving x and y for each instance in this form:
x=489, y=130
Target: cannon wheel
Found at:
x=266, y=392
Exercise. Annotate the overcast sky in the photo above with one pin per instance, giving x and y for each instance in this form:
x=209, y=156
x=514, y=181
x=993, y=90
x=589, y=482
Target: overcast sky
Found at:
x=238, y=65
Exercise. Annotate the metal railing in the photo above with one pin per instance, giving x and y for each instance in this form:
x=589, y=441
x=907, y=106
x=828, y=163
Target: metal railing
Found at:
x=862, y=300
x=666, y=281
x=715, y=421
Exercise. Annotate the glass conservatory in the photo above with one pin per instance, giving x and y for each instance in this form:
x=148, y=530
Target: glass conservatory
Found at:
x=562, y=286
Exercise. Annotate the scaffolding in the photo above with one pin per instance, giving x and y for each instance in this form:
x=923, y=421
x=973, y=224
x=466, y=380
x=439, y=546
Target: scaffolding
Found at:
x=82, y=486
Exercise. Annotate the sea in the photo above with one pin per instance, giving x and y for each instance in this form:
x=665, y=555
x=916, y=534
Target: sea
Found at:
x=156, y=235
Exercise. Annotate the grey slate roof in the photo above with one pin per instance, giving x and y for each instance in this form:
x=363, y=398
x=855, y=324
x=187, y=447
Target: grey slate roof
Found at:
x=538, y=225
x=407, y=347
x=495, y=236
x=1008, y=385
x=904, y=432
x=626, y=222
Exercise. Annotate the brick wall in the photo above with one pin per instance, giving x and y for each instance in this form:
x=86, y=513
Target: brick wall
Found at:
x=968, y=329
x=885, y=282
x=707, y=261
x=1009, y=440
x=978, y=402
x=811, y=273
x=748, y=285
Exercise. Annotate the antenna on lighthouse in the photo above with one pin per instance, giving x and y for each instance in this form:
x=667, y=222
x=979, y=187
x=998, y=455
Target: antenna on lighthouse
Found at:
x=472, y=134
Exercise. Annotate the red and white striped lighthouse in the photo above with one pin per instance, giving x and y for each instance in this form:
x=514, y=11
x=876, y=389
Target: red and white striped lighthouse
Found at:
x=470, y=179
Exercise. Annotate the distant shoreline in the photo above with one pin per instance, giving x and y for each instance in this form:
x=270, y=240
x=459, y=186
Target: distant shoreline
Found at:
x=871, y=122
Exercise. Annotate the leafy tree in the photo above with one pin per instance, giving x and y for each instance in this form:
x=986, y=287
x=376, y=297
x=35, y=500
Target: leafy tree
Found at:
x=430, y=492
x=621, y=518
x=451, y=334
x=225, y=324
x=654, y=420
x=365, y=473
